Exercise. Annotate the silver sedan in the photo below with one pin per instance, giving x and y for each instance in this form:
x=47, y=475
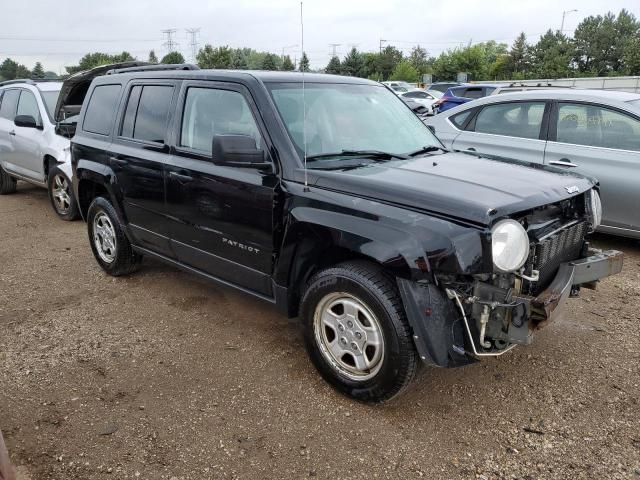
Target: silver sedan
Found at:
x=593, y=132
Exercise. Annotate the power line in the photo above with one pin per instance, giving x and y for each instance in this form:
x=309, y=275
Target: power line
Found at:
x=193, y=42
x=170, y=43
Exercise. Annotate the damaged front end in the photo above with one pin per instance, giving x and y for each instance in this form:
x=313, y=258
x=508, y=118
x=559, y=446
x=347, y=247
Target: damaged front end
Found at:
x=466, y=317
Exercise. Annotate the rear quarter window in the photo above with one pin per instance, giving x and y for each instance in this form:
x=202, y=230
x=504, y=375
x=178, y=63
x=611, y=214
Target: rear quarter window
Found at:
x=460, y=119
x=101, y=109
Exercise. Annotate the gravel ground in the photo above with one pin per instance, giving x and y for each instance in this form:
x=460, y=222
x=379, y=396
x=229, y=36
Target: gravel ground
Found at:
x=162, y=376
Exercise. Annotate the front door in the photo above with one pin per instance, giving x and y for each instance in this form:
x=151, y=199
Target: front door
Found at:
x=139, y=152
x=603, y=143
x=27, y=155
x=221, y=217
x=510, y=130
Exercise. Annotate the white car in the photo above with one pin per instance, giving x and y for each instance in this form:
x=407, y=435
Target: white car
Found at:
x=423, y=97
x=399, y=87
x=31, y=149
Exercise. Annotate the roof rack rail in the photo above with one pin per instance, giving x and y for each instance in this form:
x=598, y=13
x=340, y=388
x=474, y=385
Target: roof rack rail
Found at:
x=30, y=81
x=155, y=68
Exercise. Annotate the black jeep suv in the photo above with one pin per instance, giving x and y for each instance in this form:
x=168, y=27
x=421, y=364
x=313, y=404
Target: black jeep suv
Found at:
x=390, y=250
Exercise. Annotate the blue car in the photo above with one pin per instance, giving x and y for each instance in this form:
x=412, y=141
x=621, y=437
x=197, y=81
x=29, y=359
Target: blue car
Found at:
x=464, y=93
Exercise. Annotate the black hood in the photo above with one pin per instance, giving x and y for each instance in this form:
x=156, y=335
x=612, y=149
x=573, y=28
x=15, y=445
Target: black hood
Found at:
x=76, y=86
x=467, y=187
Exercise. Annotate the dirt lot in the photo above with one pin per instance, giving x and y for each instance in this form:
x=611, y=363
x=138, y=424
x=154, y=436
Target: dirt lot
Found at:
x=162, y=376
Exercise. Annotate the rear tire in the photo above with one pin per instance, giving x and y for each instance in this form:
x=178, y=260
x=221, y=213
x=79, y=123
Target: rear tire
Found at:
x=356, y=331
x=8, y=184
x=109, y=243
x=61, y=195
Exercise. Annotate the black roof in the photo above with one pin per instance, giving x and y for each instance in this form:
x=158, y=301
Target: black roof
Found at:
x=260, y=75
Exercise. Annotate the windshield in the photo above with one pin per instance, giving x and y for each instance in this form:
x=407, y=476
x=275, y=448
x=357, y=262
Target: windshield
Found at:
x=50, y=98
x=349, y=117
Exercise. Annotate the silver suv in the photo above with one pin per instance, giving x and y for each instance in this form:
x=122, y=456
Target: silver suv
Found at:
x=31, y=149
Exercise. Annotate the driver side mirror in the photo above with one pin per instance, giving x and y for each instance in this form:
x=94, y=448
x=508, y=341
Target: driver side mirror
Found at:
x=26, y=121
x=237, y=151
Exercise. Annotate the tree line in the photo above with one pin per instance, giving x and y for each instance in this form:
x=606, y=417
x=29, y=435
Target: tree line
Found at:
x=601, y=45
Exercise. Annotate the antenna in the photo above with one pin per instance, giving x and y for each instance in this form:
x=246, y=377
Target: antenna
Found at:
x=304, y=105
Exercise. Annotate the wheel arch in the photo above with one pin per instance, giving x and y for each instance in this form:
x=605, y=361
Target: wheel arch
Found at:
x=91, y=183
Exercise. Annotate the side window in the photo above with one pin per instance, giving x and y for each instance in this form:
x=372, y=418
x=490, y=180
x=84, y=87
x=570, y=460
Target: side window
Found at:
x=460, y=118
x=582, y=124
x=9, y=104
x=473, y=92
x=101, y=109
x=153, y=111
x=28, y=105
x=130, y=112
x=209, y=112
x=522, y=119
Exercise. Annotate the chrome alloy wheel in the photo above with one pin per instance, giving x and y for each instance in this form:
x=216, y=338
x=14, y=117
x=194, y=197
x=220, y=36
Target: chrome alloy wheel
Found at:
x=104, y=237
x=61, y=194
x=349, y=336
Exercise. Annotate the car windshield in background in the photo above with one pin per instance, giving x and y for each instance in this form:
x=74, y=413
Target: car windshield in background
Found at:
x=50, y=98
x=349, y=118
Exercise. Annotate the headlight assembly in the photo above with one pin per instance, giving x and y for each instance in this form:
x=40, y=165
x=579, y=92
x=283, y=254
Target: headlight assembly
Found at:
x=509, y=245
x=594, y=207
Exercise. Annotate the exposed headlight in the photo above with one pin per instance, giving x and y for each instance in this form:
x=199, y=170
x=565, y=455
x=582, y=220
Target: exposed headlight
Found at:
x=509, y=245
x=595, y=210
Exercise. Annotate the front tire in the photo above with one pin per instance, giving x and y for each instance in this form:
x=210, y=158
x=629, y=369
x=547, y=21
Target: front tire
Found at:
x=61, y=195
x=8, y=184
x=109, y=243
x=356, y=332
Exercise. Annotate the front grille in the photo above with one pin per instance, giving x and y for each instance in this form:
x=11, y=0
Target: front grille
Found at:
x=559, y=247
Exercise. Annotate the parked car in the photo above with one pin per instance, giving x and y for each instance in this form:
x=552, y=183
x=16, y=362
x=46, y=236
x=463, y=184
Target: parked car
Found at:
x=30, y=148
x=419, y=109
x=427, y=99
x=592, y=132
x=399, y=87
x=442, y=86
x=465, y=93
x=389, y=249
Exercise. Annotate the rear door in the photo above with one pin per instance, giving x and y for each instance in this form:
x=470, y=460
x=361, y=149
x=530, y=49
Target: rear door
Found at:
x=139, y=153
x=221, y=216
x=8, y=108
x=27, y=155
x=602, y=142
x=511, y=130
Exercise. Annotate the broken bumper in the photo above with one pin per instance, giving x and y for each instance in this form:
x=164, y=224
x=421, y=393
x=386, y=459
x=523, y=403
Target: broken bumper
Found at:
x=584, y=271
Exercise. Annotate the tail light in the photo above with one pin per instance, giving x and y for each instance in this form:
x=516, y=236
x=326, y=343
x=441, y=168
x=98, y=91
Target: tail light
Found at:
x=440, y=101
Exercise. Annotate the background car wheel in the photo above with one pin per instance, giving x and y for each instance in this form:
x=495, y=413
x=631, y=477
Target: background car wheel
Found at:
x=109, y=244
x=61, y=195
x=8, y=184
x=356, y=332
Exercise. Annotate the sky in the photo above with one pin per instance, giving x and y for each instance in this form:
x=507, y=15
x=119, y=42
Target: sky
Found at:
x=58, y=33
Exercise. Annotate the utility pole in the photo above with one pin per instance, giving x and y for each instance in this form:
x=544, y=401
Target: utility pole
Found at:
x=381, y=42
x=193, y=42
x=564, y=15
x=287, y=47
x=333, y=47
x=170, y=43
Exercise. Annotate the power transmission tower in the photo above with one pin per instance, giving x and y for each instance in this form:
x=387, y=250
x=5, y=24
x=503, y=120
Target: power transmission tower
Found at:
x=170, y=43
x=193, y=42
x=333, y=47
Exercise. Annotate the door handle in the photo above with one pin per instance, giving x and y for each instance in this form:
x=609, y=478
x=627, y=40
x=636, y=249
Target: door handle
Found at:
x=181, y=177
x=563, y=162
x=12, y=132
x=119, y=161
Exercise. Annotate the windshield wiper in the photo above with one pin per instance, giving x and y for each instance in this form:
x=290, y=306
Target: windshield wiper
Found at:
x=425, y=150
x=372, y=154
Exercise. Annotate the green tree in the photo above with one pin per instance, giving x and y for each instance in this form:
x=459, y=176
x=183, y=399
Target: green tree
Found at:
x=388, y=60
x=152, y=57
x=50, y=75
x=419, y=60
x=38, y=71
x=552, y=56
x=287, y=64
x=238, y=60
x=219, y=57
x=172, y=58
x=405, y=71
x=370, y=70
x=304, y=63
x=8, y=69
x=270, y=62
x=334, y=67
x=353, y=64
x=631, y=56
x=519, y=57
x=95, y=59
